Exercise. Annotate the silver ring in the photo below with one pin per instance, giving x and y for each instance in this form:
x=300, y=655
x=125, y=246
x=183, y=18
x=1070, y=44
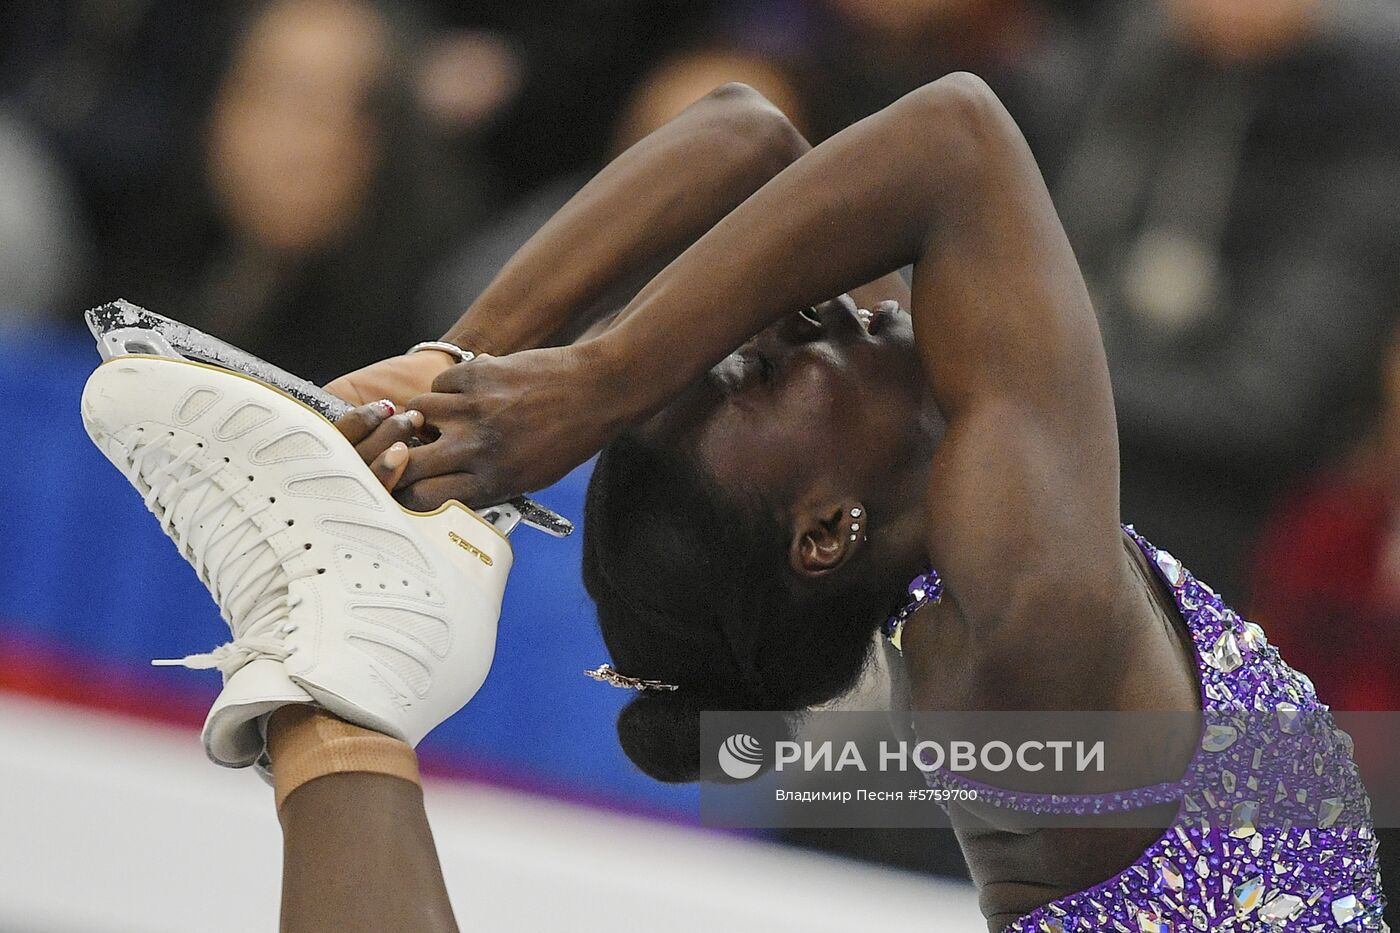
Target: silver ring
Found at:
x=451, y=349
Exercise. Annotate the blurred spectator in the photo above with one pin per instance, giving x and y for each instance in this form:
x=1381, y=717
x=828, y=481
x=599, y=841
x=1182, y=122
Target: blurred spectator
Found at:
x=112, y=89
x=578, y=61
x=830, y=63
x=477, y=259
x=42, y=239
x=467, y=78
x=1326, y=577
x=1232, y=198
x=314, y=199
x=280, y=173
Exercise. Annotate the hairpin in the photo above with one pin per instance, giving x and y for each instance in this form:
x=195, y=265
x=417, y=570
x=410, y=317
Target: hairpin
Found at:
x=607, y=675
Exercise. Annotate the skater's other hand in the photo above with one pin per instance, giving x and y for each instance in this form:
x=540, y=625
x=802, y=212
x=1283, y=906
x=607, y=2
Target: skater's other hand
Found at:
x=506, y=425
x=398, y=379
x=381, y=437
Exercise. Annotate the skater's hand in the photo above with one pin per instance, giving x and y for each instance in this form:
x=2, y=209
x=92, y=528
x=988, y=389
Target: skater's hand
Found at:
x=399, y=378
x=381, y=438
x=509, y=425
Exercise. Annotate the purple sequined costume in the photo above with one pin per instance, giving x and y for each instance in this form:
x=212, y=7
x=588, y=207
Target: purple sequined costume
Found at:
x=1273, y=830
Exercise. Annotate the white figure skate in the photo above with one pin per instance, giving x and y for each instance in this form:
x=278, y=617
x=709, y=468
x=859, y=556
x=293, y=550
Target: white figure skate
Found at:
x=334, y=593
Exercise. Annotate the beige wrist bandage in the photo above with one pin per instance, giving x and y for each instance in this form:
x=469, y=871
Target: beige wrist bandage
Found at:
x=305, y=743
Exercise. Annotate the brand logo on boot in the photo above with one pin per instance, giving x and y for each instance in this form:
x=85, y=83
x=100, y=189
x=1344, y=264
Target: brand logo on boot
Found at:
x=470, y=548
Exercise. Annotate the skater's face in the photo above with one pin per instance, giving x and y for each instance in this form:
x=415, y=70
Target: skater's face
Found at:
x=819, y=407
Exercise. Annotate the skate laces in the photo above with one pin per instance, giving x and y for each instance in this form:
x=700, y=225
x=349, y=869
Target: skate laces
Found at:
x=224, y=535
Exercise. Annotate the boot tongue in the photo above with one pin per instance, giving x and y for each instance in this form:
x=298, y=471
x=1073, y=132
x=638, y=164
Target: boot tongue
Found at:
x=232, y=736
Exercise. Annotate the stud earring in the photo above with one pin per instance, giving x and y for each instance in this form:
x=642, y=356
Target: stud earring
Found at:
x=857, y=512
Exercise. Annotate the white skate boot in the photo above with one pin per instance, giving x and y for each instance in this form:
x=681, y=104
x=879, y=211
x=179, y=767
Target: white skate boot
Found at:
x=334, y=593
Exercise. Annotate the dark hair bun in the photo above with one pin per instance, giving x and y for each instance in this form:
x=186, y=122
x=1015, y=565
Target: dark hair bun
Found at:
x=660, y=732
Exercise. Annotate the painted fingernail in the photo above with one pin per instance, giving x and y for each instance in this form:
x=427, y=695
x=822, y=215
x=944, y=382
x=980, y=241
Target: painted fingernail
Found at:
x=385, y=407
x=396, y=455
x=415, y=417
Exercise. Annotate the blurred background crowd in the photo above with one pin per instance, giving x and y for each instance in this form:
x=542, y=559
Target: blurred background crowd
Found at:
x=325, y=181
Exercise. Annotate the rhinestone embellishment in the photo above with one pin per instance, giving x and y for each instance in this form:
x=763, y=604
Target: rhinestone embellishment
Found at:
x=1170, y=878
x=926, y=588
x=1219, y=737
x=1329, y=811
x=1242, y=819
x=1346, y=909
x=1281, y=909
x=1149, y=921
x=1246, y=894
x=1225, y=655
x=1171, y=568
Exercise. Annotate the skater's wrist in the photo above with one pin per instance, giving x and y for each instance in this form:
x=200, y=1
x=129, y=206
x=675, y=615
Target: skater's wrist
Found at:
x=398, y=378
x=305, y=743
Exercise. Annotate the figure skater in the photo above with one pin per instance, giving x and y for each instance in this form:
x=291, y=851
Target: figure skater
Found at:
x=776, y=465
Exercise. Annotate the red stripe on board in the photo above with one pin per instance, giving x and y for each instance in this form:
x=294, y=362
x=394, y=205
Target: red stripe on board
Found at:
x=48, y=672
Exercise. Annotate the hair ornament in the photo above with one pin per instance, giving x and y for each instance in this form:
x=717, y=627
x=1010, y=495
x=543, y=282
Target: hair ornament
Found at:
x=604, y=673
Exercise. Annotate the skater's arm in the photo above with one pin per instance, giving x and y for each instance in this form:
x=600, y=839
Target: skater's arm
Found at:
x=640, y=212
x=357, y=851
x=637, y=214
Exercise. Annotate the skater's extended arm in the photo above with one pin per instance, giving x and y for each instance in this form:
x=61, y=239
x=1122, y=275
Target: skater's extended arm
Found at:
x=357, y=851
